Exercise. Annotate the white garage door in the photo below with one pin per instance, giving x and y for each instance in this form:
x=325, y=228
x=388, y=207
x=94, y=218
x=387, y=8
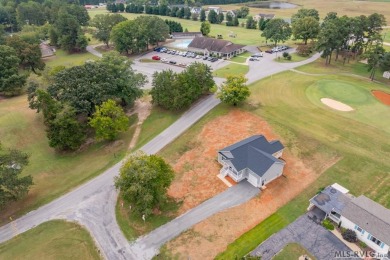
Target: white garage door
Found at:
x=252, y=179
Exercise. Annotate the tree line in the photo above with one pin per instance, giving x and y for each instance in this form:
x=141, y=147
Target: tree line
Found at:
x=87, y=100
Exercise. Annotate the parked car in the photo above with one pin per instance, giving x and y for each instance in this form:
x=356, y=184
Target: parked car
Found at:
x=164, y=60
x=158, y=49
x=254, y=59
x=163, y=50
x=214, y=59
x=156, y=58
x=172, y=62
x=198, y=57
x=205, y=57
x=269, y=51
x=257, y=55
x=210, y=58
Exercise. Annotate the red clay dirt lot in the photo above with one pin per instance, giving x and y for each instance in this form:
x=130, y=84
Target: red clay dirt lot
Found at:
x=196, y=181
x=382, y=96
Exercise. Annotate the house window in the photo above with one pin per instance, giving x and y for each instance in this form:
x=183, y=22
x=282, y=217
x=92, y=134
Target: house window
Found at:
x=359, y=229
x=375, y=240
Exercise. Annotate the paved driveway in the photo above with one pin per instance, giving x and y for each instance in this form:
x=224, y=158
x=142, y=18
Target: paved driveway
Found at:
x=147, y=246
x=316, y=239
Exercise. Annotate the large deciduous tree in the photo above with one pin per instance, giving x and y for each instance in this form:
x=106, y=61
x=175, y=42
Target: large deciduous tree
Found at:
x=65, y=131
x=11, y=82
x=109, y=120
x=69, y=34
x=234, y=90
x=277, y=30
x=305, y=28
x=143, y=182
x=175, y=91
x=212, y=17
x=302, y=13
x=205, y=28
x=89, y=85
x=29, y=54
x=104, y=24
x=12, y=185
x=136, y=35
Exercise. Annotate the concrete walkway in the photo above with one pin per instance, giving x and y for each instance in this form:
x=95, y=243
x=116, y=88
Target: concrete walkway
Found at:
x=147, y=246
x=315, y=238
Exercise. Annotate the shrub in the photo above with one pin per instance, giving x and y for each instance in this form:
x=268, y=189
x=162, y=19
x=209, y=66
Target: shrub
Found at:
x=285, y=55
x=349, y=235
x=327, y=224
x=288, y=57
x=304, y=50
x=362, y=244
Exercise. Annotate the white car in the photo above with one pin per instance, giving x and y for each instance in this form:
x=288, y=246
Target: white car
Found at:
x=164, y=60
x=198, y=57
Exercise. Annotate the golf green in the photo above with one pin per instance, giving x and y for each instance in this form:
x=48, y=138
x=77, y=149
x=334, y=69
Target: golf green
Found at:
x=355, y=93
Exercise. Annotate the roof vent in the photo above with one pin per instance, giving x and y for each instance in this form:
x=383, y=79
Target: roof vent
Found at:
x=333, y=191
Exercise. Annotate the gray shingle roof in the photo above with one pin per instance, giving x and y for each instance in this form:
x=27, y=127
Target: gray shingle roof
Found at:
x=215, y=45
x=254, y=152
x=330, y=199
x=369, y=215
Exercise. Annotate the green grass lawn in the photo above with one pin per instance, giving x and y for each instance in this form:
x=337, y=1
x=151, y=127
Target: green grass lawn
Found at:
x=314, y=132
x=51, y=240
x=54, y=173
x=158, y=120
x=292, y=252
x=337, y=67
x=231, y=69
x=63, y=58
x=294, y=58
x=132, y=224
x=386, y=34
x=241, y=58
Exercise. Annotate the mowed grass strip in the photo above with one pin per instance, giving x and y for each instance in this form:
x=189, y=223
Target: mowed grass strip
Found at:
x=233, y=69
x=158, y=120
x=53, y=173
x=292, y=251
x=254, y=237
x=51, y=240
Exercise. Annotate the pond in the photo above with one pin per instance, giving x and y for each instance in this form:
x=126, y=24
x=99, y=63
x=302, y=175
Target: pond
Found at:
x=272, y=5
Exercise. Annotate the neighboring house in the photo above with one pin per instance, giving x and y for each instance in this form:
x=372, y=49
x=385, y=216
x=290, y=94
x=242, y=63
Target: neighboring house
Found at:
x=211, y=46
x=46, y=50
x=254, y=159
x=196, y=10
x=186, y=35
x=257, y=17
x=232, y=13
x=120, y=1
x=216, y=9
x=370, y=220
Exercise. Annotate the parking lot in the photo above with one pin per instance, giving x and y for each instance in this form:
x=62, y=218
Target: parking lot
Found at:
x=185, y=60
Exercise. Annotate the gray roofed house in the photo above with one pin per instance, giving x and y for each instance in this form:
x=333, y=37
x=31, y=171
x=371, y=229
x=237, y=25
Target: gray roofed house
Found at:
x=46, y=50
x=196, y=10
x=254, y=159
x=370, y=220
x=211, y=46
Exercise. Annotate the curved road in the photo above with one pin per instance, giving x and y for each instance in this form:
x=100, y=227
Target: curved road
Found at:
x=93, y=203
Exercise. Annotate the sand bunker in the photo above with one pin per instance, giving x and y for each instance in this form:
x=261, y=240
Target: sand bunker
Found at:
x=336, y=104
x=382, y=96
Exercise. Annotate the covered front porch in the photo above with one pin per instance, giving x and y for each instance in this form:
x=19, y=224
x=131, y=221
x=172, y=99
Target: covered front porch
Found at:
x=228, y=170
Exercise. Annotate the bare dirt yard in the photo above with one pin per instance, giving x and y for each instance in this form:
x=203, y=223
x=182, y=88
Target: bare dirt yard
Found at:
x=197, y=181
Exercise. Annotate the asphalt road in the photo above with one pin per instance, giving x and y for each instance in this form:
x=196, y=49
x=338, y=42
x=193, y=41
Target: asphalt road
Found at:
x=93, y=203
